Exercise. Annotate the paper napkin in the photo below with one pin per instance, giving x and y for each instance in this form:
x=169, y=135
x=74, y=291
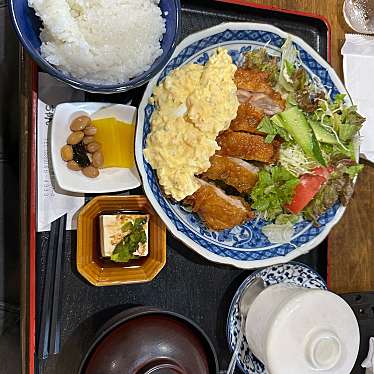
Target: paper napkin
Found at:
x=52, y=201
x=368, y=364
x=358, y=68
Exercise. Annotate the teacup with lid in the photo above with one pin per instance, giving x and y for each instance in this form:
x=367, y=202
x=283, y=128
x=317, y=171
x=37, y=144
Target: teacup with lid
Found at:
x=296, y=330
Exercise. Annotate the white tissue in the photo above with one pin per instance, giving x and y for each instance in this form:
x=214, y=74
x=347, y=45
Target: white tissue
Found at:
x=359, y=45
x=52, y=201
x=358, y=67
x=368, y=363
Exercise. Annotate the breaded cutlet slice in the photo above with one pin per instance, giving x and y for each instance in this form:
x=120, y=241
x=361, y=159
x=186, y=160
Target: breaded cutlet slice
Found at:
x=233, y=171
x=218, y=210
x=247, y=119
x=245, y=146
x=254, y=88
x=253, y=80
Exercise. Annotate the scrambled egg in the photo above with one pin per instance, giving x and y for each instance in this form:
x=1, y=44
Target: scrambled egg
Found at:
x=193, y=104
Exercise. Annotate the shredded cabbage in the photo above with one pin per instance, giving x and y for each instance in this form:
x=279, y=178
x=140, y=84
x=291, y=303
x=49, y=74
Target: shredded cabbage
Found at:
x=289, y=55
x=293, y=158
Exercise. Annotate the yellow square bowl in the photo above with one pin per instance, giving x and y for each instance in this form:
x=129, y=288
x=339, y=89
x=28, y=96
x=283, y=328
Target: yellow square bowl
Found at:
x=102, y=271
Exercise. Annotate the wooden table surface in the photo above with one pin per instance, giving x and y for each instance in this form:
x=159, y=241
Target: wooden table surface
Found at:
x=351, y=242
x=331, y=10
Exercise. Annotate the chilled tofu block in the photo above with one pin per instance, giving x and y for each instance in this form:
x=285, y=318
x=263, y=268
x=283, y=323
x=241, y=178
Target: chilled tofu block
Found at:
x=124, y=236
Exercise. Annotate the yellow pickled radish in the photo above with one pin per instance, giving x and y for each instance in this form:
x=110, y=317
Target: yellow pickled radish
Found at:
x=117, y=142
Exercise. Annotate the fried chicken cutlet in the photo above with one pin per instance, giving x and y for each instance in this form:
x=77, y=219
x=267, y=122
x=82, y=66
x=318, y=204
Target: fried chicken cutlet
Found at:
x=253, y=80
x=233, y=171
x=246, y=146
x=254, y=88
x=247, y=119
x=218, y=210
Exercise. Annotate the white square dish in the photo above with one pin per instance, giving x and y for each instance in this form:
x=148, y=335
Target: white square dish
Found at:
x=110, y=179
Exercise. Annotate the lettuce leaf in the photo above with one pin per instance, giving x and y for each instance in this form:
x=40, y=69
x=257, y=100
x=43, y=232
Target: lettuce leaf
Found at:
x=259, y=59
x=354, y=170
x=283, y=219
x=338, y=187
x=343, y=121
x=347, y=131
x=299, y=79
x=324, y=200
x=337, y=151
x=350, y=115
x=295, y=81
x=271, y=127
x=274, y=188
x=289, y=55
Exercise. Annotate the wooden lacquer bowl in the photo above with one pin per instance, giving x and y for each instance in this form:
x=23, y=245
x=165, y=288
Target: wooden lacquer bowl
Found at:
x=145, y=340
x=102, y=271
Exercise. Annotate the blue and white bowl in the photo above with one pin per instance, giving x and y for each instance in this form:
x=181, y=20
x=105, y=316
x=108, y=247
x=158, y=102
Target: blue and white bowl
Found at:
x=243, y=246
x=27, y=26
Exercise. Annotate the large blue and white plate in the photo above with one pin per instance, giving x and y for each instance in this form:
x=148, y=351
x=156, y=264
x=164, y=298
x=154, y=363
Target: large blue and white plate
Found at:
x=243, y=246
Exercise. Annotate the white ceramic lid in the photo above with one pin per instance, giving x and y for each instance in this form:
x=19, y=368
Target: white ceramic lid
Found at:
x=314, y=332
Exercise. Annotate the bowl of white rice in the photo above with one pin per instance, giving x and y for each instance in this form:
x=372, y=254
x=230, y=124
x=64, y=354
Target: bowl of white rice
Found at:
x=100, y=46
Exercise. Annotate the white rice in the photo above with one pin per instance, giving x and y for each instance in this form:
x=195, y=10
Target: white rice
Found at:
x=100, y=41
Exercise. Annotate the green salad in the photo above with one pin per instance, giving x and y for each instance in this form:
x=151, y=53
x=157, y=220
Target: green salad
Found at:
x=317, y=161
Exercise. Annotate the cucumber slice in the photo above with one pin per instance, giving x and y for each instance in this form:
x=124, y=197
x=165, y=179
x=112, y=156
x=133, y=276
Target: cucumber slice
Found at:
x=296, y=124
x=317, y=151
x=322, y=134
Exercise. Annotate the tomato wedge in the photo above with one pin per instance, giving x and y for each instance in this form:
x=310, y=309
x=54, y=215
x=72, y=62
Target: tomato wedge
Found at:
x=308, y=187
